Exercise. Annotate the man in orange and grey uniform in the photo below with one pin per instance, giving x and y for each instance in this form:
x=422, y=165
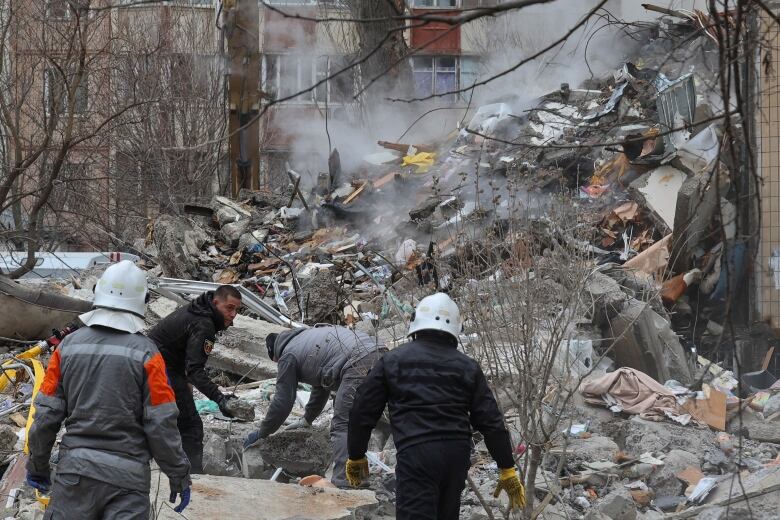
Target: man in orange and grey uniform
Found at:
x=106, y=382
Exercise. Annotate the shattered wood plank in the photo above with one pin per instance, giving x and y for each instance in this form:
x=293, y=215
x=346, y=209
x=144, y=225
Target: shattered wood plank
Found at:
x=385, y=179
x=356, y=193
x=404, y=148
x=767, y=359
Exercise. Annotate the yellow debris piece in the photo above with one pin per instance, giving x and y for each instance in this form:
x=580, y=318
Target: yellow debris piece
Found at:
x=423, y=161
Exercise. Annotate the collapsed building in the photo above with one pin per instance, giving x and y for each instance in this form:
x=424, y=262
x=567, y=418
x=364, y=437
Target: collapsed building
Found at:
x=609, y=206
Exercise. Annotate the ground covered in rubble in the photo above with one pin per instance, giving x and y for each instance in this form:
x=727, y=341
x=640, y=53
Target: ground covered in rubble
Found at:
x=589, y=242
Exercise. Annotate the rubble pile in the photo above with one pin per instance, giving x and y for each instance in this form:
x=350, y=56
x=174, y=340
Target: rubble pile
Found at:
x=624, y=175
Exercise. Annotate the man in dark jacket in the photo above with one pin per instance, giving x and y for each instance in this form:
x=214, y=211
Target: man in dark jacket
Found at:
x=106, y=382
x=436, y=395
x=185, y=339
x=329, y=359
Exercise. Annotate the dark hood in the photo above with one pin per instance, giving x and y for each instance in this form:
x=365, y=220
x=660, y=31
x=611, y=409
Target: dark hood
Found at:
x=203, y=305
x=283, y=339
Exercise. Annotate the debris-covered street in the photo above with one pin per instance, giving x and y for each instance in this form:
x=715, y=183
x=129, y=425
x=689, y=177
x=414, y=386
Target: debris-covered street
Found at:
x=540, y=281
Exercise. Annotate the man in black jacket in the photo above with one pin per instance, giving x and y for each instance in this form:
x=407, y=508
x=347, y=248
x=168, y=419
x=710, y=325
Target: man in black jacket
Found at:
x=436, y=395
x=185, y=339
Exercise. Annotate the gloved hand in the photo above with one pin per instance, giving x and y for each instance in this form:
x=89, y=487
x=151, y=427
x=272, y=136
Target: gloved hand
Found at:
x=223, y=405
x=252, y=439
x=185, y=499
x=357, y=471
x=300, y=424
x=509, y=481
x=39, y=481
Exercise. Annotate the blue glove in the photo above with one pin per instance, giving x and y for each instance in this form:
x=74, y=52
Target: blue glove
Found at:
x=185, y=499
x=252, y=438
x=40, y=482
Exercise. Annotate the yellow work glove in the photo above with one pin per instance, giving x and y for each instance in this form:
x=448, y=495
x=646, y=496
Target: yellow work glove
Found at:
x=509, y=481
x=357, y=471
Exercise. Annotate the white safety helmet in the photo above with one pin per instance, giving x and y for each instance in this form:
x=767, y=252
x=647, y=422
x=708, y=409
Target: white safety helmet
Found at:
x=436, y=312
x=120, y=298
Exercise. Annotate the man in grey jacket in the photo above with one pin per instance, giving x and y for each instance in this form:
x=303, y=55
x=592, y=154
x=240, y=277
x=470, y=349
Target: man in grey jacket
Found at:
x=328, y=358
x=106, y=382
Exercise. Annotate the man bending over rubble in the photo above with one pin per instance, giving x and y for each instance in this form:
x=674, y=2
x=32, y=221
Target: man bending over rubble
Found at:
x=436, y=395
x=329, y=358
x=107, y=383
x=185, y=339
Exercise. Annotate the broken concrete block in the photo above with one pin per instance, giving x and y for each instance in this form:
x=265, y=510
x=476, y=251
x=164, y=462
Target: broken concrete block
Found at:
x=241, y=409
x=595, y=515
x=232, y=232
x=162, y=307
x=226, y=210
x=664, y=479
x=425, y=209
x=230, y=498
x=772, y=405
x=322, y=297
x=241, y=349
x=179, y=242
x=593, y=449
x=256, y=237
x=253, y=465
x=618, y=505
x=214, y=455
x=606, y=296
x=298, y=452
x=645, y=341
x=8, y=438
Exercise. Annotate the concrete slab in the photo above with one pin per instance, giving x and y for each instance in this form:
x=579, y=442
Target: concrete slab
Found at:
x=241, y=349
x=230, y=498
x=659, y=189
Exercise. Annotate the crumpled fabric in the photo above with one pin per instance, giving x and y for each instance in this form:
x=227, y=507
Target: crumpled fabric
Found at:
x=635, y=392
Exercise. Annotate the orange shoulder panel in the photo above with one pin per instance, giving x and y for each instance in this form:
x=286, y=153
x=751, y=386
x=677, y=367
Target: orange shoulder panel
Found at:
x=160, y=391
x=52, y=378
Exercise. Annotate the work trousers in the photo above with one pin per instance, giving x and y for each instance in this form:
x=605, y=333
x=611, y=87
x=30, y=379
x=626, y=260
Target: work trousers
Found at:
x=345, y=396
x=83, y=498
x=189, y=421
x=430, y=478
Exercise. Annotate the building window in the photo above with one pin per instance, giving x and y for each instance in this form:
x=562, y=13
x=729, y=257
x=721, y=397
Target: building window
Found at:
x=434, y=3
x=282, y=75
x=58, y=10
x=471, y=4
x=64, y=9
x=436, y=75
x=56, y=88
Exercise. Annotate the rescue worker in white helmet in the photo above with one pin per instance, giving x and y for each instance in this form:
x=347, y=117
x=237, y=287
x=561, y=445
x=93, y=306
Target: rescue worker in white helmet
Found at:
x=436, y=396
x=107, y=383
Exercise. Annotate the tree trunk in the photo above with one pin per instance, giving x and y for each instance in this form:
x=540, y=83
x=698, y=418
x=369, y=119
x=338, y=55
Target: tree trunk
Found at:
x=388, y=36
x=534, y=462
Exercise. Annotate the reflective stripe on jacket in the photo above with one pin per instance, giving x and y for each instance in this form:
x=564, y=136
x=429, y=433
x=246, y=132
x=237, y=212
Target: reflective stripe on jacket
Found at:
x=110, y=390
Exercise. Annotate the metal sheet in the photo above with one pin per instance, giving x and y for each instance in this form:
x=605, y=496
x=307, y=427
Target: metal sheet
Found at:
x=251, y=300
